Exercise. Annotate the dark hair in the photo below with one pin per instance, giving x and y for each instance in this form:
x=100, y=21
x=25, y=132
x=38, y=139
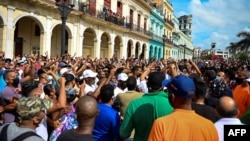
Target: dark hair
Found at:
x=68, y=77
x=210, y=74
x=201, y=88
x=119, y=70
x=224, y=112
x=155, y=80
x=7, y=73
x=135, y=68
x=131, y=83
x=106, y=93
x=47, y=89
x=28, y=87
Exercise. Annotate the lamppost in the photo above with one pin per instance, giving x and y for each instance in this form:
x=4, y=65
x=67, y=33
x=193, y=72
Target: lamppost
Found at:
x=193, y=53
x=64, y=9
x=213, y=45
x=184, y=46
x=164, y=38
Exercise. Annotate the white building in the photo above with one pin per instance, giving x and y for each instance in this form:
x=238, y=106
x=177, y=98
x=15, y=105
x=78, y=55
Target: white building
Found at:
x=221, y=53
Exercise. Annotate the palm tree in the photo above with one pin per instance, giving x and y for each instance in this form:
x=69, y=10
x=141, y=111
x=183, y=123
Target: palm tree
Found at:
x=244, y=43
x=232, y=48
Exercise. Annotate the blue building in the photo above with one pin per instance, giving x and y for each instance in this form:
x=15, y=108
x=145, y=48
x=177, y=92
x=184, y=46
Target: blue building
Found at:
x=157, y=29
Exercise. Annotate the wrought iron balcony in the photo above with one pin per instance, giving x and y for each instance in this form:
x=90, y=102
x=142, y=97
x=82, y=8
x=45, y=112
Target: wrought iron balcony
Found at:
x=169, y=41
x=117, y=20
x=169, y=22
x=139, y=29
x=157, y=37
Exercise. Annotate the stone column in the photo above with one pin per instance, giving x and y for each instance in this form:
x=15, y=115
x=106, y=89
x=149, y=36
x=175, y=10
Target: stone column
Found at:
x=3, y=33
x=139, y=51
x=157, y=53
x=146, y=52
x=80, y=46
x=45, y=38
x=72, y=45
x=97, y=43
x=132, y=50
x=110, y=49
x=9, y=47
x=121, y=55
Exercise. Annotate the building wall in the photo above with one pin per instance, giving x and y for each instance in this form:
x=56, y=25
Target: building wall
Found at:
x=168, y=27
x=222, y=53
x=157, y=29
x=87, y=34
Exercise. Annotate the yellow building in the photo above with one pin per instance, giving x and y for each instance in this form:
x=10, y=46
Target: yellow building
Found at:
x=100, y=28
x=169, y=27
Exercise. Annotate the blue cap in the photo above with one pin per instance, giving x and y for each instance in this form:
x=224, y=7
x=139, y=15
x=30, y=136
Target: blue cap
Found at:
x=181, y=85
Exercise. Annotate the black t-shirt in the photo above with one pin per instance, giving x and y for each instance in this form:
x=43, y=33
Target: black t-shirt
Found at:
x=206, y=111
x=71, y=135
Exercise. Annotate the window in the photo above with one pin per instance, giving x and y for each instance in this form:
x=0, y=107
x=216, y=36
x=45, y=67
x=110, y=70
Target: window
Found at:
x=145, y=23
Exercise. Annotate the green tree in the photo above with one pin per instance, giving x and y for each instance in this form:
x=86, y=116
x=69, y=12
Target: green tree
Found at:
x=244, y=43
x=232, y=47
x=242, y=56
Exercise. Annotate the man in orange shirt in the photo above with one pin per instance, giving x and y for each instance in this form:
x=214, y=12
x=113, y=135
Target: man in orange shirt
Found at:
x=183, y=124
x=241, y=93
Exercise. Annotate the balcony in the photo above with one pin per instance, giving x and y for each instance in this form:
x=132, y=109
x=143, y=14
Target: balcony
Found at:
x=136, y=28
x=169, y=22
x=117, y=20
x=169, y=41
x=157, y=37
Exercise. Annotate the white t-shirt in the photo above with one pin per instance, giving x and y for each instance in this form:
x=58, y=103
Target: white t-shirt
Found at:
x=143, y=86
x=118, y=90
x=89, y=88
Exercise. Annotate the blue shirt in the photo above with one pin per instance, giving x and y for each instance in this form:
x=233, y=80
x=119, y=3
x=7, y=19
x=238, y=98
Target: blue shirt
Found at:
x=107, y=124
x=2, y=81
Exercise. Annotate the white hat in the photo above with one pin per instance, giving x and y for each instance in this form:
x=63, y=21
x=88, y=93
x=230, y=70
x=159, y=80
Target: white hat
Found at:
x=248, y=79
x=122, y=77
x=89, y=73
x=63, y=70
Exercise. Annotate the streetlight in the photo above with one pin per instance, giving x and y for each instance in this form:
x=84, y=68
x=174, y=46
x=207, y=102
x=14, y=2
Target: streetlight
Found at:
x=213, y=45
x=164, y=38
x=64, y=9
x=193, y=53
x=184, y=46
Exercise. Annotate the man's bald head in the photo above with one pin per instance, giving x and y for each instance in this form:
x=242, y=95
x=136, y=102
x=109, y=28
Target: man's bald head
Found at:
x=227, y=107
x=86, y=108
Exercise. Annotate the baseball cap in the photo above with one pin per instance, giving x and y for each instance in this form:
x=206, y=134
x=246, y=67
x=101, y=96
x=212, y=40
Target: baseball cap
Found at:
x=70, y=91
x=63, y=65
x=181, y=85
x=89, y=73
x=28, y=107
x=63, y=70
x=122, y=77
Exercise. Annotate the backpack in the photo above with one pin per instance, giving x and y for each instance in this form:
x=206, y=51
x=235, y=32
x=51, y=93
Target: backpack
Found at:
x=3, y=135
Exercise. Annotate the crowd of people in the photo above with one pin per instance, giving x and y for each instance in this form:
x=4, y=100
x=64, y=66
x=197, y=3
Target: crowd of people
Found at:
x=73, y=98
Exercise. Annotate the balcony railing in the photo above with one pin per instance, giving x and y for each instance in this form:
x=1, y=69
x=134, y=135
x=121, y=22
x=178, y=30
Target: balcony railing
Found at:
x=169, y=41
x=157, y=37
x=117, y=20
x=169, y=21
x=139, y=29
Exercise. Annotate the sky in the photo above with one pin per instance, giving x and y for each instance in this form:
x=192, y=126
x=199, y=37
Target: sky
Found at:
x=216, y=21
